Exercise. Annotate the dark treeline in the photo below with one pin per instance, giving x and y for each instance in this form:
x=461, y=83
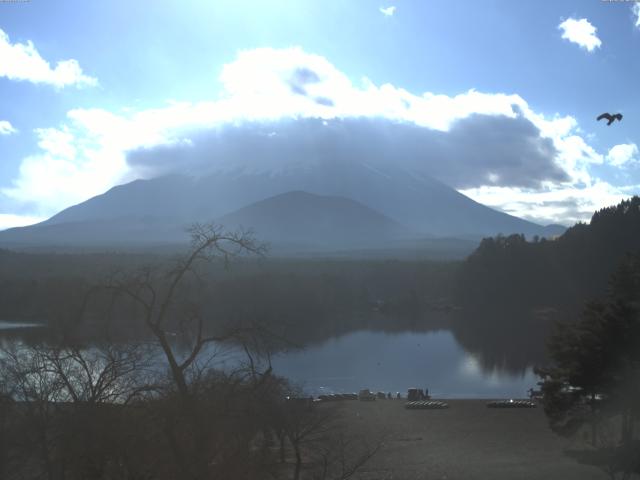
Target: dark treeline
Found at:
x=304, y=300
x=592, y=383
x=562, y=273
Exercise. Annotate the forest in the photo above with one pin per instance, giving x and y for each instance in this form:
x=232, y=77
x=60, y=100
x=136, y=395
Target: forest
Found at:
x=511, y=272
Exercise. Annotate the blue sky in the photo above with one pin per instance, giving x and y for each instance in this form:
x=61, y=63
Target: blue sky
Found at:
x=148, y=74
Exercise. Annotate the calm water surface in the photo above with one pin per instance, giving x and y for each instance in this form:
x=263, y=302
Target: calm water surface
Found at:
x=6, y=325
x=394, y=362
x=382, y=361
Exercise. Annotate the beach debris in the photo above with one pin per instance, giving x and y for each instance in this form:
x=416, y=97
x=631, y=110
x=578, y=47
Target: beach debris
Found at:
x=365, y=395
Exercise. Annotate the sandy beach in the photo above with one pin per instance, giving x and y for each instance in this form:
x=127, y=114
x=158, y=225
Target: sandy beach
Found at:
x=467, y=441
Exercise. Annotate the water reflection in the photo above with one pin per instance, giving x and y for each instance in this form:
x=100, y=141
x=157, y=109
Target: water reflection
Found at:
x=23, y=332
x=393, y=362
x=468, y=361
x=5, y=325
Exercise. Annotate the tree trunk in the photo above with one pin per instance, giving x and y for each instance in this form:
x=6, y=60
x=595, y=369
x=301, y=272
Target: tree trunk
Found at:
x=594, y=422
x=296, y=473
x=281, y=438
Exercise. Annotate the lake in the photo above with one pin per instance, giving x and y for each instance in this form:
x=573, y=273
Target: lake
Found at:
x=393, y=362
x=5, y=325
x=382, y=361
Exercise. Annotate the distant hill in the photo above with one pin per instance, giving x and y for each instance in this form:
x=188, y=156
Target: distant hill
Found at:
x=316, y=222
x=156, y=211
x=292, y=221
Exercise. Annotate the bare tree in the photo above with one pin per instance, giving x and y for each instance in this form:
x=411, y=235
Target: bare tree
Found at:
x=63, y=400
x=25, y=374
x=341, y=457
x=167, y=407
x=157, y=297
x=184, y=337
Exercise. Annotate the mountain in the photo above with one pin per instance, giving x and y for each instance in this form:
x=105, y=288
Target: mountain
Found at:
x=157, y=211
x=292, y=221
x=316, y=221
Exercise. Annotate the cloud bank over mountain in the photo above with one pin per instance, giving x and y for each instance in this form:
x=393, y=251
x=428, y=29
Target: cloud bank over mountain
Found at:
x=475, y=151
x=286, y=105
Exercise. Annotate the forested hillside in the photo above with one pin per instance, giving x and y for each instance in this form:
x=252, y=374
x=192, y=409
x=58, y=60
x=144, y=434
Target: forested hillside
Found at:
x=310, y=300
x=561, y=273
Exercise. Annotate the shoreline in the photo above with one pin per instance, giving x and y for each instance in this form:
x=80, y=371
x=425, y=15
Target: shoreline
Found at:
x=468, y=440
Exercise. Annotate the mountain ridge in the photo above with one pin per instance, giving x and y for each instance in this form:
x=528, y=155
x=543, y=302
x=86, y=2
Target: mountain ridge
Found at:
x=166, y=205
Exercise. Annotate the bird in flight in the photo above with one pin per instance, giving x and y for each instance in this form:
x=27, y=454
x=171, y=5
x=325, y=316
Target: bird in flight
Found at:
x=610, y=118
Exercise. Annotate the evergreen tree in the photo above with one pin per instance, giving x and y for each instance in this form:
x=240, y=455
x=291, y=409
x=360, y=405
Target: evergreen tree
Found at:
x=594, y=378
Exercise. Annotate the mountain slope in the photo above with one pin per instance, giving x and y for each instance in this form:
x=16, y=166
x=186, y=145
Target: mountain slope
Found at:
x=166, y=205
x=317, y=221
x=417, y=201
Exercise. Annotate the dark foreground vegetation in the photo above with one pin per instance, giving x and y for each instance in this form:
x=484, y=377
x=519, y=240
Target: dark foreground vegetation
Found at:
x=163, y=408
x=593, y=379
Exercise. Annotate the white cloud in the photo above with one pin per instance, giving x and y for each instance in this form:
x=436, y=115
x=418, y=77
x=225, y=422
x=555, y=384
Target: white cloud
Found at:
x=21, y=61
x=388, y=11
x=580, y=32
x=6, y=128
x=635, y=9
x=623, y=154
x=9, y=220
x=87, y=154
x=564, y=204
x=74, y=164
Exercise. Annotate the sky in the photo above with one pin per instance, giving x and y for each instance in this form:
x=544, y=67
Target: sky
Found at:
x=496, y=98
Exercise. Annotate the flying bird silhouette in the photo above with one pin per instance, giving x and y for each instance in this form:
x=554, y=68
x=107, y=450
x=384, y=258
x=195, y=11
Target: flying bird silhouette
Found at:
x=610, y=118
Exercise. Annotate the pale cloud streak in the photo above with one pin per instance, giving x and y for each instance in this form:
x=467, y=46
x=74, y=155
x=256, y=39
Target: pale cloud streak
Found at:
x=22, y=62
x=565, y=205
x=635, y=9
x=6, y=128
x=580, y=32
x=388, y=11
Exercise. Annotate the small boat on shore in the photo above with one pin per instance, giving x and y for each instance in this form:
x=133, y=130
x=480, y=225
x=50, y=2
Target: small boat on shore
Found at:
x=511, y=404
x=337, y=397
x=425, y=405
